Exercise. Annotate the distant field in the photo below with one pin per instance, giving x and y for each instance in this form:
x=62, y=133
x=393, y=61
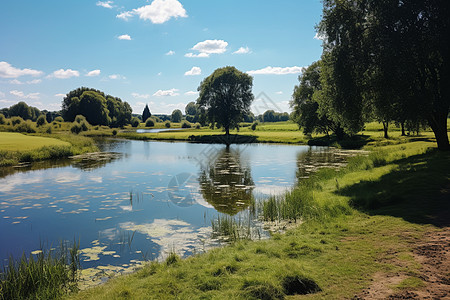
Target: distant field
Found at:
x=12, y=141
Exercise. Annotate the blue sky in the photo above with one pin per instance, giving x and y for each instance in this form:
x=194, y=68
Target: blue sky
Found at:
x=155, y=51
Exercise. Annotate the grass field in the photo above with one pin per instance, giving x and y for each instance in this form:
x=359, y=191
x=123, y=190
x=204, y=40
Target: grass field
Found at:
x=368, y=217
x=12, y=141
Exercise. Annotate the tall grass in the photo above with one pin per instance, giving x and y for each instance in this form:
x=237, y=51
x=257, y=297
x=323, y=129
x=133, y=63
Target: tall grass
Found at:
x=49, y=274
x=234, y=229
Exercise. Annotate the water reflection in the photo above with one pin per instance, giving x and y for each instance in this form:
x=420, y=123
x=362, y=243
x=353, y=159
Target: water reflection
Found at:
x=226, y=183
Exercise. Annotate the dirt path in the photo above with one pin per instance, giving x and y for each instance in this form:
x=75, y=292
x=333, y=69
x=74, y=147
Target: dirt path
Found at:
x=433, y=253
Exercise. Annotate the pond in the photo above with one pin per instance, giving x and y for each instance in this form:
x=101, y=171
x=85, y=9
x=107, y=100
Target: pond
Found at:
x=140, y=200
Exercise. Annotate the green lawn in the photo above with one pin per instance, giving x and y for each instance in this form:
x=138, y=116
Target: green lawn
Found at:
x=12, y=141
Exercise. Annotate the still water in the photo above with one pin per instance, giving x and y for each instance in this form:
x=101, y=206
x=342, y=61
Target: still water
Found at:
x=142, y=199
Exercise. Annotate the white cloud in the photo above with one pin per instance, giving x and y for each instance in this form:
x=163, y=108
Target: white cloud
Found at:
x=125, y=37
x=191, y=93
x=15, y=81
x=171, y=93
x=8, y=71
x=126, y=15
x=64, y=74
x=4, y=101
x=196, y=55
x=193, y=72
x=105, y=4
x=60, y=95
x=276, y=71
x=2, y=94
x=159, y=74
x=34, y=81
x=158, y=12
x=170, y=52
x=22, y=95
x=242, y=50
x=140, y=96
x=211, y=46
x=279, y=93
x=93, y=73
x=116, y=76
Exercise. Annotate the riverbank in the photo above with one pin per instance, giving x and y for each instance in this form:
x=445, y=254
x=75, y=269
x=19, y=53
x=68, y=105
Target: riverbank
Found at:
x=373, y=215
x=16, y=148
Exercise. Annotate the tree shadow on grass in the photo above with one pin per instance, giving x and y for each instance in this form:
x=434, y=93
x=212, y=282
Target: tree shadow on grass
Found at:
x=355, y=142
x=418, y=191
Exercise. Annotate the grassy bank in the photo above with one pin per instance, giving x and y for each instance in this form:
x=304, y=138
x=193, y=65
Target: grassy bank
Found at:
x=18, y=148
x=358, y=221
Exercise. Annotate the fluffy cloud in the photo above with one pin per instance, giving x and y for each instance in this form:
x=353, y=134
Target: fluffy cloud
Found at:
x=105, y=4
x=194, y=71
x=242, y=50
x=8, y=71
x=93, y=73
x=276, y=71
x=279, y=93
x=60, y=95
x=124, y=37
x=166, y=93
x=191, y=93
x=64, y=74
x=116, y=76
x=158, y=12
x=197, y=55
x=22, y=95
x=34, y=81
x=170, y=52
x=211, y=46
x=140, y=96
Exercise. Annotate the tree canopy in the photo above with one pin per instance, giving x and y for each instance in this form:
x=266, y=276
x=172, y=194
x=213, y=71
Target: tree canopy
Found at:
x=389, y=59
x=226, y=96
x=177, y=115
x=98, y=108
x=24, y=111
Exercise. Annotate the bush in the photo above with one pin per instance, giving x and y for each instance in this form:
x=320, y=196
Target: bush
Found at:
x=150, y=122
x=25, y=127
x=197, y=126
x=41, y=120
x=186, y=124
x=79, y=119
x=58, y=119
x=2, y=119
x=16, y=120
x=49, y=130
x=76, y=128
x=85, y=125
x=135, y=122
x=114, y=132
x=167, y=124
x=254, y=126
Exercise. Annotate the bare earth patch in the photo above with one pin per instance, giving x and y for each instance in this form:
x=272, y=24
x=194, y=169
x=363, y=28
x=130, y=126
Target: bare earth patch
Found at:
x=433, y=254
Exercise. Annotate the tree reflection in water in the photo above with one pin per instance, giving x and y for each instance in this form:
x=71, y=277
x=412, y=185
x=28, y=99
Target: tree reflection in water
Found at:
x=225, y=183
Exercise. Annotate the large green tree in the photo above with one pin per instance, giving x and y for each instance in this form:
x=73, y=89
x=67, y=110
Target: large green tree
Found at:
x=390, y=58
x=96, y=106
x=24, y=111
x=226, y=96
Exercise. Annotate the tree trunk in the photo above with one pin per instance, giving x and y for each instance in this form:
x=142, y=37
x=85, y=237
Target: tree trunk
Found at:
x=227, y=135
x=438, y=123
x=402, y=124
x=385, y=129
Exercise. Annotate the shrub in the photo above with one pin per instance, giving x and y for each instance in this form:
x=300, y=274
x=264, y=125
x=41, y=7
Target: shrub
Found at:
x=25, y=127
x=186, y=124
x=135, y=122
x=167, y=124
x=84, y=126
x=79, y=119
x=114, y=132
x=41, y=120
x=76, y=128
x=58, y=119
x=197, y=126
x=150, y=122
x=254, y=126
x=2, y=119
x=16, y=120
x=49, y=130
